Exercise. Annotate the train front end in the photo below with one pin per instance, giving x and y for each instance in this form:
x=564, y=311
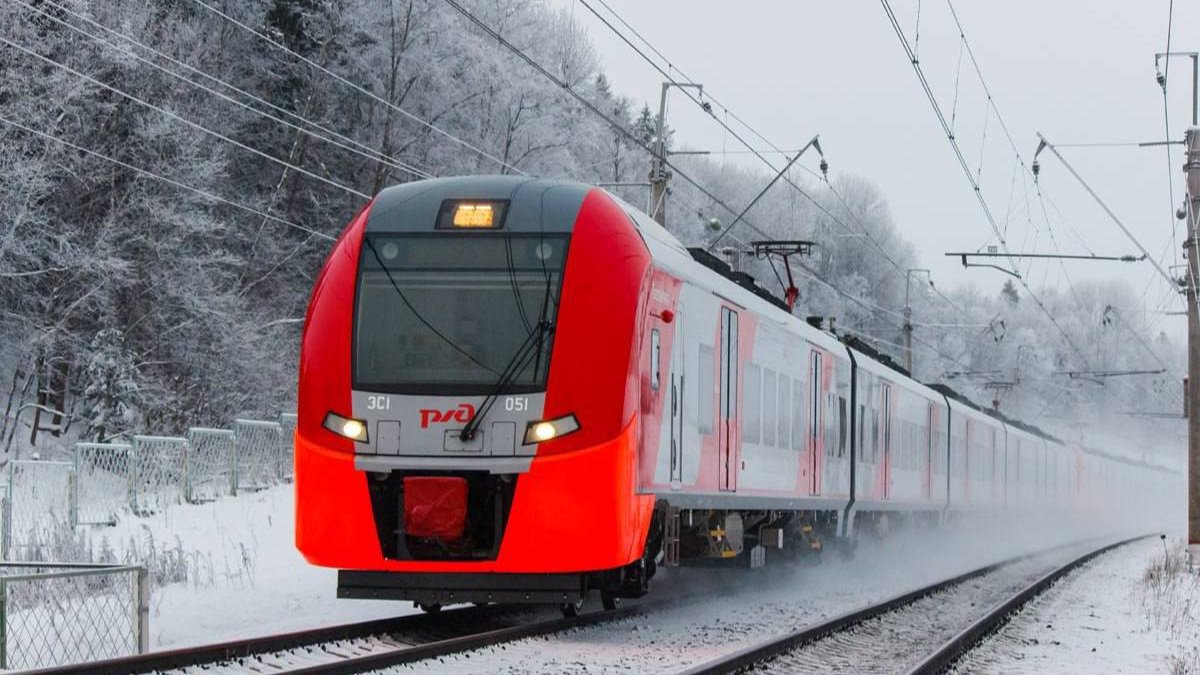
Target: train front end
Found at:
x=468, y=397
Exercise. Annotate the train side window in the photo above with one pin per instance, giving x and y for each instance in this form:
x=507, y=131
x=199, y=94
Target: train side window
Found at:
x=655, y=356
x=798, y=428
x=705, y=392
x=862, y=425
x=751, y=403
x=770, y=398
x=842, y=422
x=785, y=410
x=874, y=435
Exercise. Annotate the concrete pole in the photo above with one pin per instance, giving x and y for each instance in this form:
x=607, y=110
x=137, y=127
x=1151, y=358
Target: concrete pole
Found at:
x=658, y=169
x=908, y=328
x=1192, y=249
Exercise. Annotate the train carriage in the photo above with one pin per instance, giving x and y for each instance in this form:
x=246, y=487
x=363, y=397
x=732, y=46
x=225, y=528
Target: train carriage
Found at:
x=524, y=390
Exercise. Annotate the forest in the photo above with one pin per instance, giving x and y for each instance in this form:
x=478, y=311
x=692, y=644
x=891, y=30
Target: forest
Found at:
x=173, y=172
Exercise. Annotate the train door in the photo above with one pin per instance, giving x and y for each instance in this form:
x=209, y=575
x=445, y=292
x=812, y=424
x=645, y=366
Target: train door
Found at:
x=967, y=463
x=727, y=436
x=816, y=419
x=927, y=465
x=994, y=477
x=885, y=464
x=677, y=398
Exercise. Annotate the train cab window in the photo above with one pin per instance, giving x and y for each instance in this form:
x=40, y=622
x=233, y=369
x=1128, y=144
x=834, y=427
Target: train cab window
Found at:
x=752, y=404
x=770, y=399
x=655, y=356
x=706, y=391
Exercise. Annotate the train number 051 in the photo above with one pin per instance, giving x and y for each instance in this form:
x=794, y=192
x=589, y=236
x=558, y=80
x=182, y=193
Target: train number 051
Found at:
x=516, y=403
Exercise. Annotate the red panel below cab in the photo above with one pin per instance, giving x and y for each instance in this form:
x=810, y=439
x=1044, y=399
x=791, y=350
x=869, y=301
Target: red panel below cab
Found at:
x=435, y=507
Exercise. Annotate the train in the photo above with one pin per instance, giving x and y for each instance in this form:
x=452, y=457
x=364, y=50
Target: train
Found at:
x=517, y=389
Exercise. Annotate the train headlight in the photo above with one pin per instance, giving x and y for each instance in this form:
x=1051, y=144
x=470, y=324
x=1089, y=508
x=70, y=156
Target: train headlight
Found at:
x=347, y=427
x=548, y=430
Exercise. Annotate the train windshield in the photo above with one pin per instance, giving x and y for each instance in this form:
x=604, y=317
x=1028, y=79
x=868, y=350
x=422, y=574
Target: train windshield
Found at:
x=447, y=314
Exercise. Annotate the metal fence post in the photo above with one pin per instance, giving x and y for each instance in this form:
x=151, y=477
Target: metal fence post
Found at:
x=6, y=524
x=233, y=472
x=73, y=497
x=187, y=472
x=3, y=624
x=133, y=476
x=143, y=610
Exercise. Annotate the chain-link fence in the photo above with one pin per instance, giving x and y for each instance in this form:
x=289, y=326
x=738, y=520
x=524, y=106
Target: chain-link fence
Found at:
x=42, y=501
x=37, y=507
x=102, y=484
x=55, y=614
x=287, y=437
x=157, y=473
x=259, y=451
x=209, y=471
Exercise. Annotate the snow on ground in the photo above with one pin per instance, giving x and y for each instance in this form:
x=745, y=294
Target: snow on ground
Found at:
x=231, y=570
x=732, y=609
x=244, y=576
x=1105, y=617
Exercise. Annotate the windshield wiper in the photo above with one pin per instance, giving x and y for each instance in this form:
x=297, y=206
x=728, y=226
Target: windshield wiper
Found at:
x=515, y=366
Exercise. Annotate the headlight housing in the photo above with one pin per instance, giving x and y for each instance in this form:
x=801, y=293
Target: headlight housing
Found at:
x=548, y=430
x=346, y=427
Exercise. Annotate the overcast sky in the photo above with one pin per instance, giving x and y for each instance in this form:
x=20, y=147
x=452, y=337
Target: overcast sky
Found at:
x=1076, y=71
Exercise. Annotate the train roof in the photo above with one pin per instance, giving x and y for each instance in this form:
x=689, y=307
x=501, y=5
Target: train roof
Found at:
x=533, y=204
x=700, y=258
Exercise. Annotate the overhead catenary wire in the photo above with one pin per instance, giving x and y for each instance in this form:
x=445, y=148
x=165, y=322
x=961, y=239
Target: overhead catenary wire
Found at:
x=990, y=217
x=759, y=153
x=1104, y=206
x=359, y=88
x=334, y=138
x=169, y=181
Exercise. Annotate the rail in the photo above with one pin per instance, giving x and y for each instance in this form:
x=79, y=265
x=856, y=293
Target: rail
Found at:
x=746, y=659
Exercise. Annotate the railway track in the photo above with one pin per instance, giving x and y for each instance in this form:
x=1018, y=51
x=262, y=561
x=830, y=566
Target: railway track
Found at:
x=359, y=647
x=920, y=632
x=841, y=644
x=270, y=653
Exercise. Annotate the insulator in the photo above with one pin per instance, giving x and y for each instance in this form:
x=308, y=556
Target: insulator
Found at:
x=824, y=168
x=1037, y=168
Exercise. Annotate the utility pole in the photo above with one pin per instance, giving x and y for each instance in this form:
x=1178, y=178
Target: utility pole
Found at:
x=1192, y=167
x=658, y=162
x=908, y=327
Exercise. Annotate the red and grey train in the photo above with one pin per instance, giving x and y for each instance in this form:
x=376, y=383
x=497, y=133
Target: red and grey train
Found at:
x=524, y=390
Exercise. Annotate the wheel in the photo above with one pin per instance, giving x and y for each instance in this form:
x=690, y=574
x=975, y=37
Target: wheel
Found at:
x=609, y=600
x=429, y=607
x=571, y=610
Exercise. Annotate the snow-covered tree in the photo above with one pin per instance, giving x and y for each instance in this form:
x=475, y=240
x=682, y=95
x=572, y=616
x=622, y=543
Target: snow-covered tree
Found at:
x=111, y=396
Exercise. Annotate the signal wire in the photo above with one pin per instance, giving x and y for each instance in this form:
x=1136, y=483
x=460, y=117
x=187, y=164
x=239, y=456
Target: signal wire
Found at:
x=428, y=125
x=194, y=125
x=164, y=179
x=342, y=141
x=583, y=100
